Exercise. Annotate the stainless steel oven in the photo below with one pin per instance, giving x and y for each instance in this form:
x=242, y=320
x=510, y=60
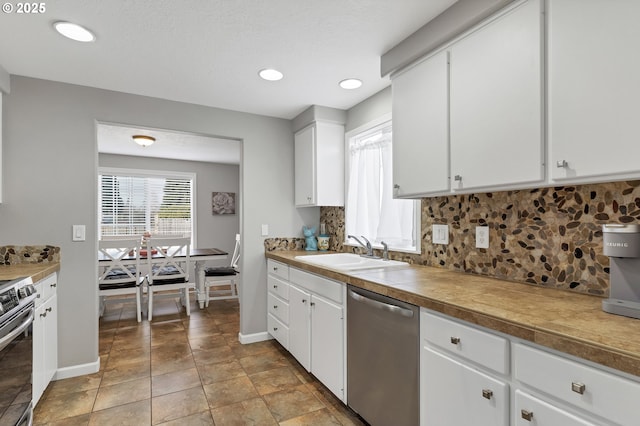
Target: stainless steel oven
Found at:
x=16, y=351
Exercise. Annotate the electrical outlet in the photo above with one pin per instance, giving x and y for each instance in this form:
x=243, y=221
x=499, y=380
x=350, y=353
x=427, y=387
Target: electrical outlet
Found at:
x=482, y=237
x=440, y=234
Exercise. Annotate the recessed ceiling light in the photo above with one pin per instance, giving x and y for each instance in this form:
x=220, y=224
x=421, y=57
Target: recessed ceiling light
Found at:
x=74, y=31
x=350, y=83
x=270, y=74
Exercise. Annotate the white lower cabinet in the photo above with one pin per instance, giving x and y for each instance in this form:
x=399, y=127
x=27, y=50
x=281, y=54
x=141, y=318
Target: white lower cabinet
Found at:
x=462, y=396
x=468, y=376
x=530, y=410
x=306, y=315
x=45, y=335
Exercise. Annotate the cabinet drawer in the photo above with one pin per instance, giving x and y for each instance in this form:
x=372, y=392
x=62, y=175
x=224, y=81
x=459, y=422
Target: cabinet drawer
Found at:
x=483, y=348
x=278, y=269
x=588, y=388
x=278, y=286
x=278, y=308
x=532, y=411
x=278, y=330
x=332, y=290
x=46, y=288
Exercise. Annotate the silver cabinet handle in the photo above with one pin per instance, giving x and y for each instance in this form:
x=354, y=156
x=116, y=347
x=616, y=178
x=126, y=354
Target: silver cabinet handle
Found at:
x=527, y=415
x=487, y=393
x=275, y=268
x=578, y=387
x=275, y=286
x=54, y=285
x=457, y=177
x=304, y=300
x=313, y=303
x=49, y=309
x=275, y=328
x=42, y=315
x=561, y=164
x=396, y=186
x=275, y=306
x=455, y=340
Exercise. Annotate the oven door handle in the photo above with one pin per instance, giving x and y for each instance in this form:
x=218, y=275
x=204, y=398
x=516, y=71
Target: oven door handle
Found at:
x=22, y=327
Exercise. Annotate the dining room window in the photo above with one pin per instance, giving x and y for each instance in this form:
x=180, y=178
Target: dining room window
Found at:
x=132, y=202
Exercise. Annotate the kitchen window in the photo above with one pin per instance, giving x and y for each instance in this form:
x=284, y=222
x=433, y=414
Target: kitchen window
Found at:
x=370, y=209
x=131, y=202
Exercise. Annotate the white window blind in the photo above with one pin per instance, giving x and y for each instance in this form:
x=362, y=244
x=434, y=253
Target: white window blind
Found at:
x=370, y=209
x=133, y=202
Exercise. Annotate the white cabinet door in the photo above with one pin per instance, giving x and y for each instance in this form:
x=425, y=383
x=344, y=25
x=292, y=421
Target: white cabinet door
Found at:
x=51, y=339
x=45, y=346
x=593, y=89
x=453, y=394
x=496, y=102
x=532, y=411
x=327, y=344
x=299, y=325
x=319, y=165
x=421, y=129
x=305, y=167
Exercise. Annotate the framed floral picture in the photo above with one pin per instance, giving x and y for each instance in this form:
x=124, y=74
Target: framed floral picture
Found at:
x=223, y=203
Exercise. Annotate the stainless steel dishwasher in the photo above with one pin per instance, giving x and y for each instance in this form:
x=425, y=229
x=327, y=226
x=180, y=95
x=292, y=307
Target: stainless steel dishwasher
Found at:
x=383, y=353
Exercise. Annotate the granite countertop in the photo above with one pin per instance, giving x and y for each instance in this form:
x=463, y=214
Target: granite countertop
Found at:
x=36, y=271
x=569, y=322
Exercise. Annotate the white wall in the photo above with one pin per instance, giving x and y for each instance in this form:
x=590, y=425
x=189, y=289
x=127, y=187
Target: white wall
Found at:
x=370, y=109
x=211, y=231
x=50, y=159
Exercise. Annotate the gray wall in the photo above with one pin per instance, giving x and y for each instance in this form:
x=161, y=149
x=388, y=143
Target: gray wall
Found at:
x=211, y=231
x=370, y=109
x=50, y=173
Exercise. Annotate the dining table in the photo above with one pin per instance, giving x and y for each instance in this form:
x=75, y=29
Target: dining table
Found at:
x=198, y=257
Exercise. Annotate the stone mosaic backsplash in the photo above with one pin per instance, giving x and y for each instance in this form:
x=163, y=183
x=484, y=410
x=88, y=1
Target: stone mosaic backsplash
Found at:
x=12, y=255
x=274, y=244
x=550, y=237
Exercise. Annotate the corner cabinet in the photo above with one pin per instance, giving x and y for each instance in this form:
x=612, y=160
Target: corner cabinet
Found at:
x=319, y=165
x=306, y=316
x=45, y=335
x=593, y=90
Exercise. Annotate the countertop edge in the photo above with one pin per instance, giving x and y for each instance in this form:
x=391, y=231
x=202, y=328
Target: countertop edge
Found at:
x=535, y=332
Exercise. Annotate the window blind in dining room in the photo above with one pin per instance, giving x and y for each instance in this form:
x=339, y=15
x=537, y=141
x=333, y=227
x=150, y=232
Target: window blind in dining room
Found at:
x=132, y=202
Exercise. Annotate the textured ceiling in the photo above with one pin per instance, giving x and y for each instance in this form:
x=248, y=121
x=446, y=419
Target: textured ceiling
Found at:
x=209, y=52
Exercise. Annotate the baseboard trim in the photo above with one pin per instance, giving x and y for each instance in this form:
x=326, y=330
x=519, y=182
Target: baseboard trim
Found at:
x=254, y=337
x=77, y=370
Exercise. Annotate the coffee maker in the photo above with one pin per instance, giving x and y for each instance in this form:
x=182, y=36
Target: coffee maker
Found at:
x=622, y=245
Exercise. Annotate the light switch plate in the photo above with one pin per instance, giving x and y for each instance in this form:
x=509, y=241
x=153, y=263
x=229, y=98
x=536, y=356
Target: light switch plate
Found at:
x=440, y=234
x=482, y=237
x=78, y=233
x=265, y=230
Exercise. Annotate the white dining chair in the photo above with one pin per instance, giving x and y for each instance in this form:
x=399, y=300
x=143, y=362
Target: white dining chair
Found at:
x=119, y=272
x=223, y=279
x=168, y=262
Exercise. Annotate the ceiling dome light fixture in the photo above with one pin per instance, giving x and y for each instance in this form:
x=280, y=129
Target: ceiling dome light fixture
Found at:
x=350, y=83
x=143, y=140
x=270, y=74
x=74, y=31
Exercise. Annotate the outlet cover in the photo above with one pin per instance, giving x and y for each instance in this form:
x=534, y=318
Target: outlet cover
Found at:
x=440, y=234
x=482, y=237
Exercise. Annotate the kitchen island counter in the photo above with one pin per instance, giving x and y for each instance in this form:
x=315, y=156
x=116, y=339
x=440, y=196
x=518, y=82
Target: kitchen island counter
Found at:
x=568, y=322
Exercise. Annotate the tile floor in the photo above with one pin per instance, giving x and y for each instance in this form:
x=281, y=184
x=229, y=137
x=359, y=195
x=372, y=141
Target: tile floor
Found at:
x=188, y=371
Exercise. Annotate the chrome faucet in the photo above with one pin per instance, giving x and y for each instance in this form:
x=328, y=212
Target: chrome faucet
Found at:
x=385, y=250
x=366, y=246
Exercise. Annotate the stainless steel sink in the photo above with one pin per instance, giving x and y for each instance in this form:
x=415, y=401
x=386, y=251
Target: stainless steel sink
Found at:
x=347, y=261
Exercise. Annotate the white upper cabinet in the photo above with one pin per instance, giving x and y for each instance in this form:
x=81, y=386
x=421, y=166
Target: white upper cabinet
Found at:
x=496, y=102
x=421, y=129
x=319, y=165
x=594, y=67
